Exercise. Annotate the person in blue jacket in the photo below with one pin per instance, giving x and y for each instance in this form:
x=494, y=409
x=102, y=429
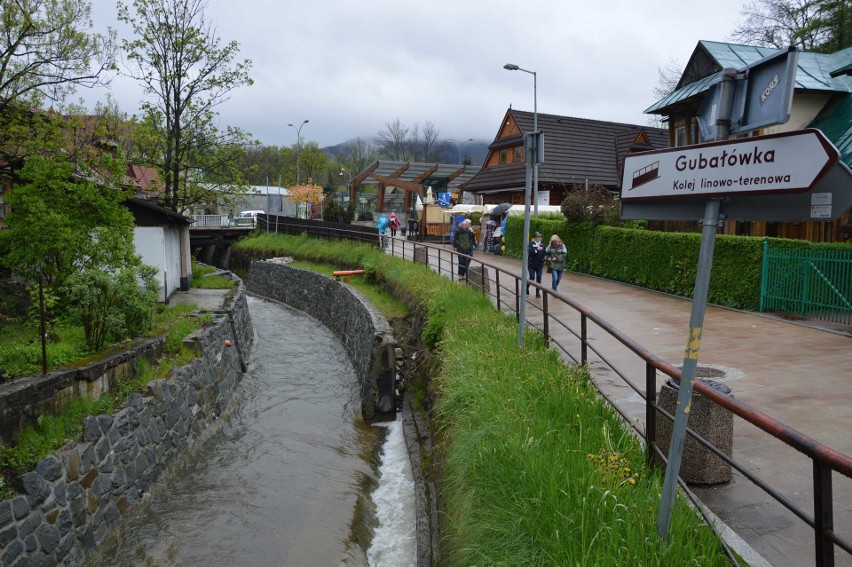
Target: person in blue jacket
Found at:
x=382, y=225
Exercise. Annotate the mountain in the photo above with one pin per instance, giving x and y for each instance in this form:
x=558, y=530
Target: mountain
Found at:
x=476, y=150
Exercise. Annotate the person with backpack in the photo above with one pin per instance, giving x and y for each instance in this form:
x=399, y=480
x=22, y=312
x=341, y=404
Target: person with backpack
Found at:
x=535, y=262
x=464, y=241
x=393, y=224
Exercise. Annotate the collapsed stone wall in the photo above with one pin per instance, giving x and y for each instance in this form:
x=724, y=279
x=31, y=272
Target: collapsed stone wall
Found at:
x=365, y=333
x=69, y=503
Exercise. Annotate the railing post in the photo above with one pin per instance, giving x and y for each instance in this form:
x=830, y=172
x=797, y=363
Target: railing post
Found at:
x=497, y=284
x=517, y=299
x=584, y=348
x=823, y=515
x=650, y=411
x=545, y=315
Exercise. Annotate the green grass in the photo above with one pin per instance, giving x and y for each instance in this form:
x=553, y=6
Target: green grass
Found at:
x=52, y=431
x=536, y=469
x=20, y=348
x=203, y=277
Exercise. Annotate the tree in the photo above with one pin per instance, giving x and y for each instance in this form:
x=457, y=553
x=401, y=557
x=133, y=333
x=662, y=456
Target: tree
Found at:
x=393, y=141
x=811, y=25
x=46, y=51
x=177, y=58
x=64, y=220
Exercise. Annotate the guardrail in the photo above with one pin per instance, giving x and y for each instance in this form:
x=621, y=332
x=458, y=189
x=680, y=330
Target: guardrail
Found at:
x=505, y=291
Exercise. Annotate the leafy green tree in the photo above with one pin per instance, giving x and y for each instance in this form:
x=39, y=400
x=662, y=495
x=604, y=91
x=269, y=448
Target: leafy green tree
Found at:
x=64, y=219
x=46, y=50
x=177, y=57
x=811, y=25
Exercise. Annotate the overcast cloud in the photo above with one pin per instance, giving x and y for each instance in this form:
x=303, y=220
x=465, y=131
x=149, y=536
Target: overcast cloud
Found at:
x=351, y=66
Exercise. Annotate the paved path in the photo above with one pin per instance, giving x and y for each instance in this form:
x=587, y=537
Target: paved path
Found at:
x=800, y=374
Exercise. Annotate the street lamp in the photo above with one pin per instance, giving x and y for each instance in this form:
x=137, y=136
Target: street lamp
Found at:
x=457, y=146
x=530, y=165
x=298, y=148
x=462, y=149
x=512, y=67
x=352, y=197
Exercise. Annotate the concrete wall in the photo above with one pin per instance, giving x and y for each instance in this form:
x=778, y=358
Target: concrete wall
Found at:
x=363, y=330
x=70, y=502
x=161, y=247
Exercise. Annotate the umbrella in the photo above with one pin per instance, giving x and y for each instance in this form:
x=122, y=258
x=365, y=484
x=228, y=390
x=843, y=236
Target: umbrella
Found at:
x=500, y=209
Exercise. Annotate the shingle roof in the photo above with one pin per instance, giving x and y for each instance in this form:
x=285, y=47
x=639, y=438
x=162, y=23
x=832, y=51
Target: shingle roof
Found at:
x=575, y=150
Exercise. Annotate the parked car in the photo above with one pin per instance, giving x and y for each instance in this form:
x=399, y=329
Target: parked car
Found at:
x=246, y=218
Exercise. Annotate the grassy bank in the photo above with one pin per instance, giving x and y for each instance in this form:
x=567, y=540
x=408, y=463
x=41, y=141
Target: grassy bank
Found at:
x=535, y=469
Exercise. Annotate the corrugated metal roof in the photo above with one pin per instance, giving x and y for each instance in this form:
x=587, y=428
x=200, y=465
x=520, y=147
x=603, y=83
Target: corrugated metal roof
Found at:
x=814, y=71
x=835, y=121
x=415, y=170
x=575, y=150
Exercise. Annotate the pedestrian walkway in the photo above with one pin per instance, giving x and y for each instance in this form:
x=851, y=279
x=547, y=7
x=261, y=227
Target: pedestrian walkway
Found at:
x=799, y=374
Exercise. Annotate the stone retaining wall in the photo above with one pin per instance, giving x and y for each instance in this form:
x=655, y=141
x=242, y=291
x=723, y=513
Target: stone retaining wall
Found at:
x=69, y=503
x=364, y=332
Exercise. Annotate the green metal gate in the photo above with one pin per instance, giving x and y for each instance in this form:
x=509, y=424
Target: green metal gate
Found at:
x=814, y=284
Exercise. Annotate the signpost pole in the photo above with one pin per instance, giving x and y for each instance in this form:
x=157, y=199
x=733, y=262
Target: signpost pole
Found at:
x=522, y=307
x=696, y=322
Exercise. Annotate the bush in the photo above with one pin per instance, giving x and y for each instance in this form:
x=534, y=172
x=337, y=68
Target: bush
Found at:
x=111, y=307
x=333, y=212
x=592, y=205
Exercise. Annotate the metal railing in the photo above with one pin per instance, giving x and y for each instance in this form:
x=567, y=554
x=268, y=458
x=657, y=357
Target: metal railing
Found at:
x=505, y=290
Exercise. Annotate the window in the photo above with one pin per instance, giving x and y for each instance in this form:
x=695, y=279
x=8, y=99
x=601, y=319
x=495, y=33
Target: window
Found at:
x=517, y=153
x=503, y=155
x=680, y=136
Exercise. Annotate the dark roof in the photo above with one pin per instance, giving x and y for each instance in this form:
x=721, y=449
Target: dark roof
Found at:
x=147, y=213
x=575, y=150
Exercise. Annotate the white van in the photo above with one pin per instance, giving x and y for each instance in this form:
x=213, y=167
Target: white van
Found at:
x=246, y=218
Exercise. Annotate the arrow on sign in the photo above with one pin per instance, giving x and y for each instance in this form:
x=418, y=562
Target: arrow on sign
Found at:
x=778, y=163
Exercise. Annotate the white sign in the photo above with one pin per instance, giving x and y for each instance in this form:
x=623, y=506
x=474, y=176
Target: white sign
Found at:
x=778, y=163
x=820, y=205
x=544, y=198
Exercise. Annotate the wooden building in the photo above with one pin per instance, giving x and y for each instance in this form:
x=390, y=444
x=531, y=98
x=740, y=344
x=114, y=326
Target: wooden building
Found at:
x=822, y=99
x=578, y=152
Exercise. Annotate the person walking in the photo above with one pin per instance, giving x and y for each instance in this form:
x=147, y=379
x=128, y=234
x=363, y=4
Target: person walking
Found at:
x=464, y=241
x=556, y=254
x=535, y=262
x=382, y=225
x=393, y=224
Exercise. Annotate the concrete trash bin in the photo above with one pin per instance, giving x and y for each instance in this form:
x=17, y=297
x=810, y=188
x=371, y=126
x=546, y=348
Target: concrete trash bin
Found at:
x=712, y=422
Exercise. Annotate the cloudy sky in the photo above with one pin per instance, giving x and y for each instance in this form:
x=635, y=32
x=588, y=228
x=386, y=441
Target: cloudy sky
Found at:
x=351, y=66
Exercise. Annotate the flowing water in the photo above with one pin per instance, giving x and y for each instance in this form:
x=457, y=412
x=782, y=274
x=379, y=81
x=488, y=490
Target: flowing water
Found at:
x=291, y=477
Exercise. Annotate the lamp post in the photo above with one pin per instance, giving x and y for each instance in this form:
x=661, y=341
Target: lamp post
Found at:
x=298, y=148
x=352, y=203
x=461, y=158
x=512, y=67
x=458, y=147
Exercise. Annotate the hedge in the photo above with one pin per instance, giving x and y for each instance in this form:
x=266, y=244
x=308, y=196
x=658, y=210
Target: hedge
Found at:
x=663, y=261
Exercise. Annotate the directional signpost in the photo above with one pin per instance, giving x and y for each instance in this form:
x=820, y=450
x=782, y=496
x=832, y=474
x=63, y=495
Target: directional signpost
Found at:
x=740, y=172
x=790, y=176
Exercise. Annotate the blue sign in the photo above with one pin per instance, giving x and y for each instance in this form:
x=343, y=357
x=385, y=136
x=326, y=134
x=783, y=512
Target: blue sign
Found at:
x=444, y=199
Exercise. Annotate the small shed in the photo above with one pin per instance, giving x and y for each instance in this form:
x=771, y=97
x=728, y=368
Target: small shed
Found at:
x=161, y=238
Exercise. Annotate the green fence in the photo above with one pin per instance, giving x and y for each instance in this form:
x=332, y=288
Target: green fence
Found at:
x=813, y=284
